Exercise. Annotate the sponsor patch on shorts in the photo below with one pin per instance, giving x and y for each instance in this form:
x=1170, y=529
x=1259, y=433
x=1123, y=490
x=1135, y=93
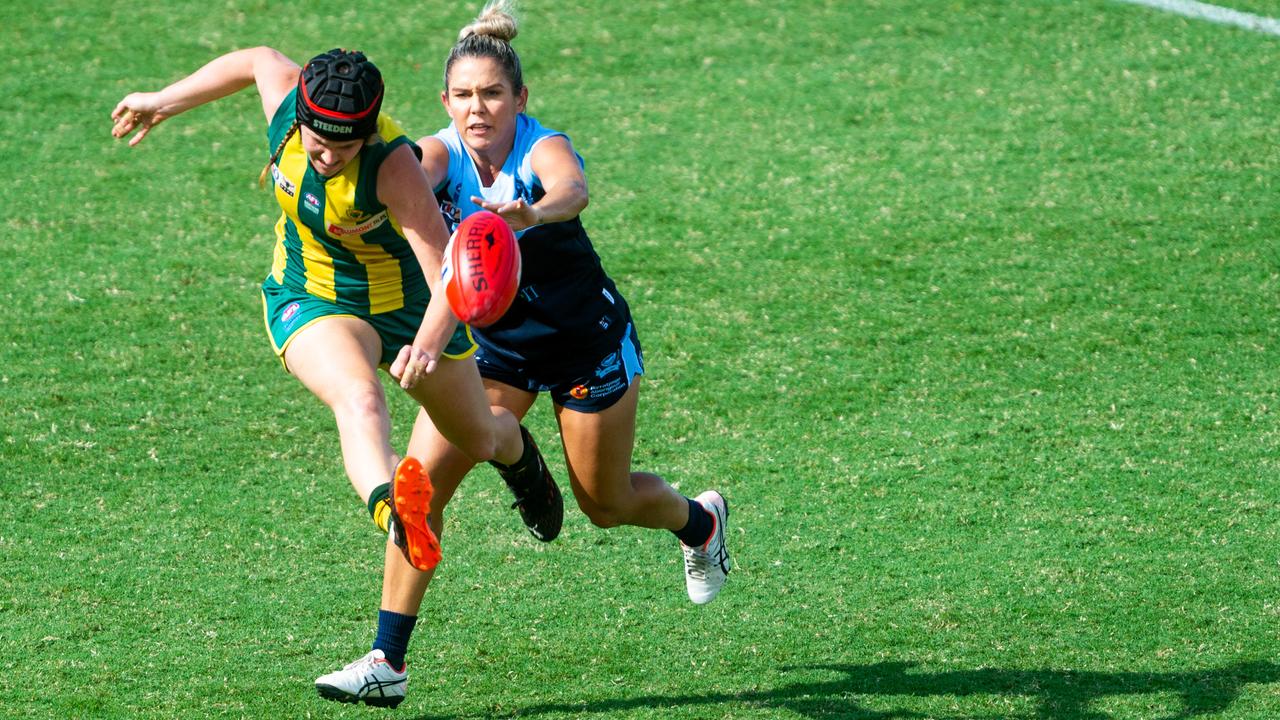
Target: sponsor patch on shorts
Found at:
x=289, y=314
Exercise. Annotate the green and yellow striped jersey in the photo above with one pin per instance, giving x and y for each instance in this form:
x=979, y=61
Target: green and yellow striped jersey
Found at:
x=334, y=239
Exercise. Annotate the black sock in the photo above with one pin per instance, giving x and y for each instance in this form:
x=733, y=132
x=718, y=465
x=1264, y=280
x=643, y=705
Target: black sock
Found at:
x=526, y=455
x=394, y=631
x=698, y=530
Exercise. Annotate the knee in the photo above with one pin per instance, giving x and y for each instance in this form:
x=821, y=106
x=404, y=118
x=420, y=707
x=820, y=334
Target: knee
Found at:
x=361, y=403
x=604, y=515
x=610, y=500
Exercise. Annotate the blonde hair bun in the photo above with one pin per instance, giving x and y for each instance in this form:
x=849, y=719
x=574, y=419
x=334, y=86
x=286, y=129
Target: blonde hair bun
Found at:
x=497, y=20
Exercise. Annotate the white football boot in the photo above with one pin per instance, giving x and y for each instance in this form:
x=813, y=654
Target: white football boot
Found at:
x=370, y=680
x=707, y=566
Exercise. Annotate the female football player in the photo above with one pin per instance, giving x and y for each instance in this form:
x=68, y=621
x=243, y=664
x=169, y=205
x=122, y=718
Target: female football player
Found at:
x=569, y=332
x=353, y=288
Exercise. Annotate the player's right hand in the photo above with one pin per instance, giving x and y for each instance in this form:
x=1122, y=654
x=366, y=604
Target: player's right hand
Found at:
x=137, y=111
x=411, y=365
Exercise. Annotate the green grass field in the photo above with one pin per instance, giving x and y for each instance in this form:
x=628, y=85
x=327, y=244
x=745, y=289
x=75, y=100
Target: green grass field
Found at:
x=968, y=306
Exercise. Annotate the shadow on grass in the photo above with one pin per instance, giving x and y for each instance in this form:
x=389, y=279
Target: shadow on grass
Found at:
x=1057, y=694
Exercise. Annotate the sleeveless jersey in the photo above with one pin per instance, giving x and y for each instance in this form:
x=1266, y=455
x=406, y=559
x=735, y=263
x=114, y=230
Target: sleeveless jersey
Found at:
x=568, y=312
x=334, y=239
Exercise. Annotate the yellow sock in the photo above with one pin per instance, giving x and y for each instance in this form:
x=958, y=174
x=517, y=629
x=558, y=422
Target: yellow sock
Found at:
x=380, y=506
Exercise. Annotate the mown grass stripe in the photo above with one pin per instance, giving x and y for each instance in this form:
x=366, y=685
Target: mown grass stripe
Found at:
x=1214, y=13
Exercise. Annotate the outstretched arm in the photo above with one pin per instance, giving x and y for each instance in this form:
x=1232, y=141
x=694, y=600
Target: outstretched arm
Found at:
x=556, y=166
x=273, y=73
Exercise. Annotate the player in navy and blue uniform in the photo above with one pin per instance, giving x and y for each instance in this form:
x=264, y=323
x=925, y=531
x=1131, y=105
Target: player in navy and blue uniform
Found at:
x=569, y=332
x=358, y=250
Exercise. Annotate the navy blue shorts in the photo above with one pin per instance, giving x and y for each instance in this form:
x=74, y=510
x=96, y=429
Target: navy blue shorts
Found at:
x=590, y=393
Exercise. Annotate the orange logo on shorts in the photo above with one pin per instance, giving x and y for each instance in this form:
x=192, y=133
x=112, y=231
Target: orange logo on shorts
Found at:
x=579, y=392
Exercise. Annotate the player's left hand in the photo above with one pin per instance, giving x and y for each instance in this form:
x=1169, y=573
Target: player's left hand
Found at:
x=411, y=365
x=518, y=213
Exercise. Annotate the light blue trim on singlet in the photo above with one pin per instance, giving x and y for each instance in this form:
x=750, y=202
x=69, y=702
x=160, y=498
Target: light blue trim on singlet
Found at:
x=517, y=178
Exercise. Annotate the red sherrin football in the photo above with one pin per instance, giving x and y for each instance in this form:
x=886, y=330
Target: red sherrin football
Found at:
x=481, y=269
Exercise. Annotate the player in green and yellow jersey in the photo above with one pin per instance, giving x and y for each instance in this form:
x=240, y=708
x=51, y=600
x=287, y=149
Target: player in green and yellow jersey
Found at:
x=358, y=251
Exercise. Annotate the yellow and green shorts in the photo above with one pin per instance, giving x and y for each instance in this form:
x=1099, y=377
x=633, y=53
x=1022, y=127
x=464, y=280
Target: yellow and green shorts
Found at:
x=288, y=312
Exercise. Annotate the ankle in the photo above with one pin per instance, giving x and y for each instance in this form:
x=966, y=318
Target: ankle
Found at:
x=698, y=529
x=380, y=506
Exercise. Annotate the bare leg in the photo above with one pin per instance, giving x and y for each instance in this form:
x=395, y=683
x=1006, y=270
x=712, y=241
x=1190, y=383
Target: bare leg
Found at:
x=454, y=399
x=597, y=448
x=403, y=586
x=337, y=360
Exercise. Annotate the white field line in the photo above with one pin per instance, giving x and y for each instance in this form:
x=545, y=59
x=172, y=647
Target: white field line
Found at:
x=1214, y=13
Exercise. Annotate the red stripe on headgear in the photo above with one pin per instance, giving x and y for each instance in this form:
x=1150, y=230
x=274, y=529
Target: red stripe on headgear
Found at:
x=302, y=87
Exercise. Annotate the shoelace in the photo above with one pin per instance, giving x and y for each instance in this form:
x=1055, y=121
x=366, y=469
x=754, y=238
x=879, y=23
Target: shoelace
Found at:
x=366, y=662
x=696, y=563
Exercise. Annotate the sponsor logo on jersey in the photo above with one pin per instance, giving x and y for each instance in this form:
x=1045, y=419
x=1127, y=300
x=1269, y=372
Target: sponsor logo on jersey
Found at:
x=337, y=230
x=283, y=182
x=452, y=215
x=580, y=392
x=311, y=201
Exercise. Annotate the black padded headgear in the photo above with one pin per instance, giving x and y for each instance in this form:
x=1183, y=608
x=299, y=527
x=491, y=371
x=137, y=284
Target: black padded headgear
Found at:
x=339, y=95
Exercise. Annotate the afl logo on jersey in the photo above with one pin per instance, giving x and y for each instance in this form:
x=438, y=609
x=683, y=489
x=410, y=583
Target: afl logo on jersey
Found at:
x=311, y=202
